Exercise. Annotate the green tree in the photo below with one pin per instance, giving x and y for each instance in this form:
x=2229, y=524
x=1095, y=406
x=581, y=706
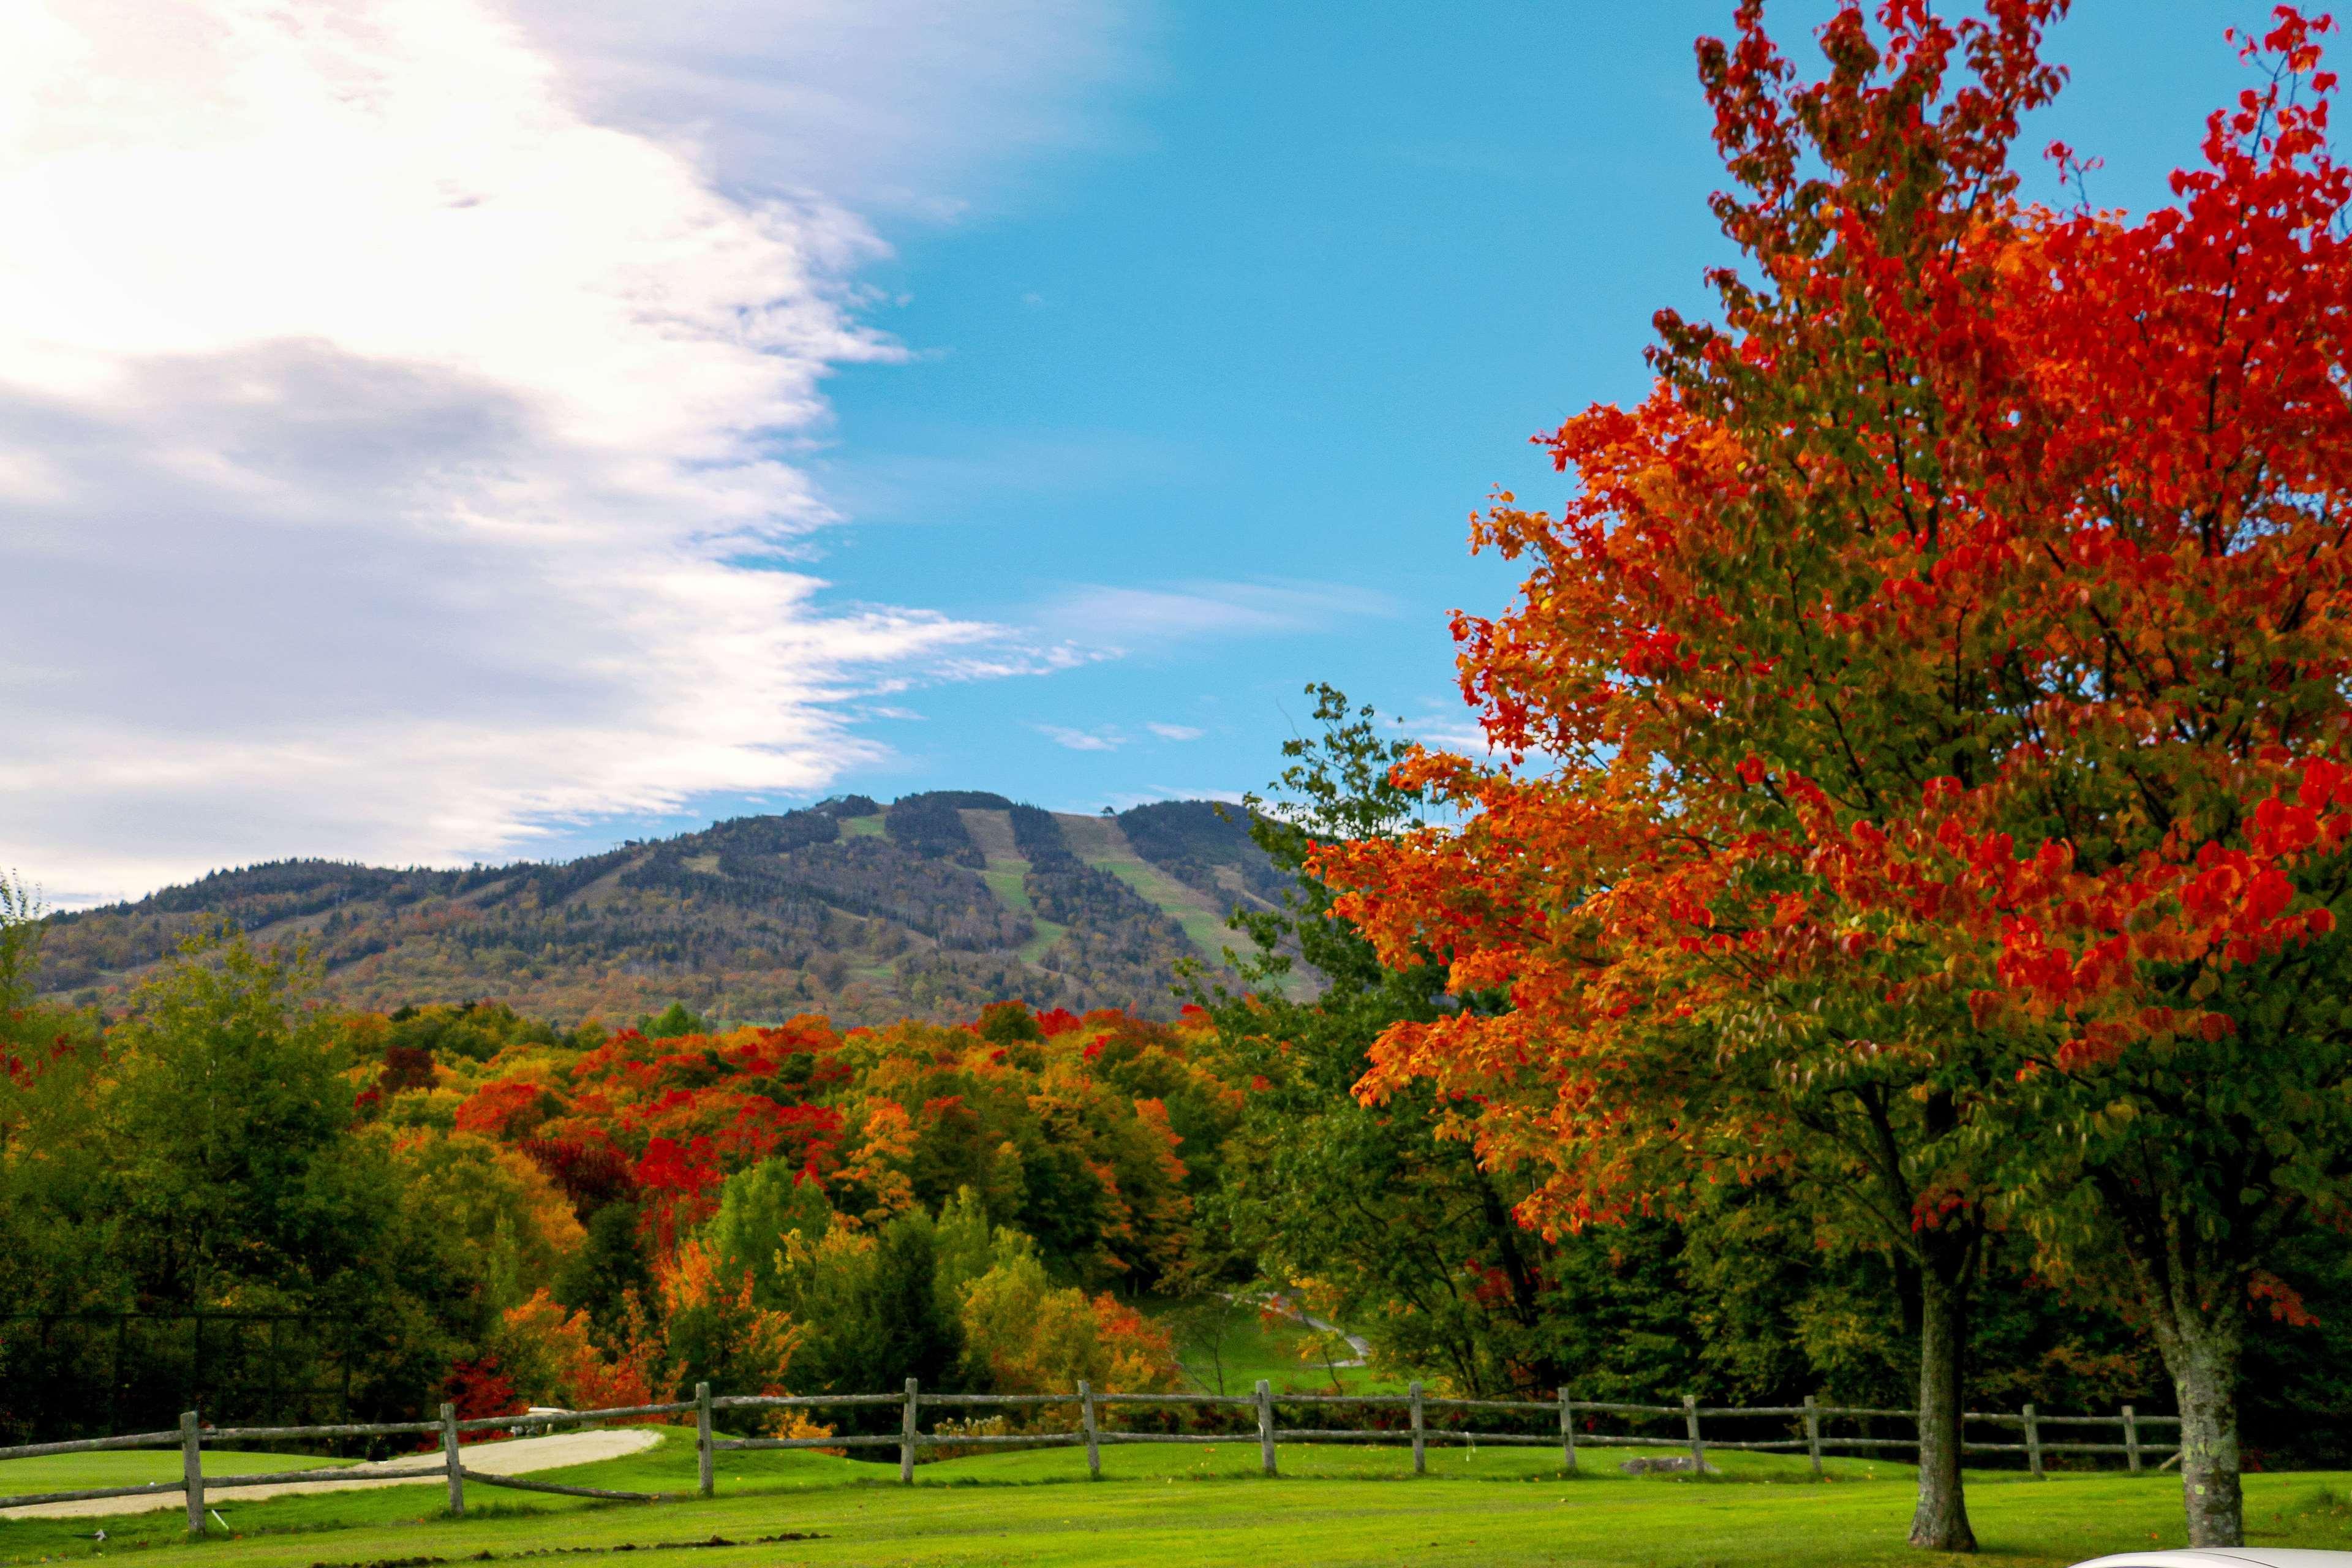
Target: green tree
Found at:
x=672, y=1022
x=608, y=1271
x=20, y=942
x=874, y=1311
x=57, y=1239
x=230, y=1116
x=758, y=1210
x=1415, y=1240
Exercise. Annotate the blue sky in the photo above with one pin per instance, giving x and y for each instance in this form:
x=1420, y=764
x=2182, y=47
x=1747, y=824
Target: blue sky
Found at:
x=1264, y=341
x=616, y=418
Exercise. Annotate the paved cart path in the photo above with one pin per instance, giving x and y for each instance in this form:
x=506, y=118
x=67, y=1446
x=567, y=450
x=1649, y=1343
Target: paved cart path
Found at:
x=516, y=1457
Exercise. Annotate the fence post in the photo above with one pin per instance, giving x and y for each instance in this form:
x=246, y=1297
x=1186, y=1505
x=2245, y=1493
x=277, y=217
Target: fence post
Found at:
x=192, y=1470
x=907, y=1434
x=1094, y=1445
x=1265, y=1425
x=1690, y=1419
x=449, y=1461
x=1567, y=1433
x=2131, y=1438
x=1813, y=1435
x=1420, y=1453
x=704, y=1456
x=2032, y=1441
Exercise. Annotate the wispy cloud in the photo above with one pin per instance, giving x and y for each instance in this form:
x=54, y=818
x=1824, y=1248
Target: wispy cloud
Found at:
x=395, y=401
x=905, y=105
x=1124, y=799
x=1131, y=618
x=1175, y=732
x=1082, y=740
x=1447, y=729
x=906, y=485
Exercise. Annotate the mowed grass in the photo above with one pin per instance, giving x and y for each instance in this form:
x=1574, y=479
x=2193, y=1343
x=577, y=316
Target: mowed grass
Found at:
x=1246, y=1346
x=1202, y=922
x=1007, y=879
x=137, y=1466
x=1209, y=1506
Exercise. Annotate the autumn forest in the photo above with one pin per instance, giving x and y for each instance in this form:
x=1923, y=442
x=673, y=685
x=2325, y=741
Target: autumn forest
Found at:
x=1893, y=944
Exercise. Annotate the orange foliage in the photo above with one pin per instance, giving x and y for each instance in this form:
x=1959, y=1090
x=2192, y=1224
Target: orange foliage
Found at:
x=502, y=1110
x=1922, y=761
x=1927, y=689
x=555, y=1346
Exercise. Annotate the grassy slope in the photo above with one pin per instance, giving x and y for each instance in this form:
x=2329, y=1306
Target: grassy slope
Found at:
x=1006, y=877
x=1207, y=1506
x=1286, y=1354
x=1101, y=845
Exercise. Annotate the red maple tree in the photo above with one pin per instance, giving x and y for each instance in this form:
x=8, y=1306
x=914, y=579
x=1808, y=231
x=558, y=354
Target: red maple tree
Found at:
x=1921, y=740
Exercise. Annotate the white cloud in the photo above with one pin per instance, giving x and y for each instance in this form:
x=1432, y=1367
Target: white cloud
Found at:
x=389, y=411
x=1175, y=732
x=1082, y=740
x=1126, y=799
x=906, y=105
x=1129, y=618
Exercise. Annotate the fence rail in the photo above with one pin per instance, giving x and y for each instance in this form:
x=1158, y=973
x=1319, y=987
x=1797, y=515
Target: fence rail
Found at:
x=191, y=1435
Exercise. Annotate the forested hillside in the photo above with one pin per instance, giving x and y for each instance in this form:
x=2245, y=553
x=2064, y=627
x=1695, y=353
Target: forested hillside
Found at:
x=932, y=908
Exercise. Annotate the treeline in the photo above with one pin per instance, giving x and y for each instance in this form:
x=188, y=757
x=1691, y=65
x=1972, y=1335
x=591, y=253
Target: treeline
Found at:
x=463, y=1201
x=1743, y=1287
x=863, y=913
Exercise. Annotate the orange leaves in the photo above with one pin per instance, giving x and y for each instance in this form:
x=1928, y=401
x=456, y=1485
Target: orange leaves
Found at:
x=558, y=1362
x=504, y=1109
x=1948, y=654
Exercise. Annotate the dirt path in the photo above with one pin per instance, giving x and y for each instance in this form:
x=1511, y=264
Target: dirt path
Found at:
x=1361, y=1346
x=516, y=1457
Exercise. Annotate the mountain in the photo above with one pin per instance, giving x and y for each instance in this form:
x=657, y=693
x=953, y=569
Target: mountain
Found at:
x=933, y=907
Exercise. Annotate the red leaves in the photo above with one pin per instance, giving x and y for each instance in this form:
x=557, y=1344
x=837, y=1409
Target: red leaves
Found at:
x=2285, y=1302
x=1489, y=1286
x=680, y=1183
x=508, y=1109
x=588, y=1170
x=689, y=1170
x=481, y=1388
x=1952, y=645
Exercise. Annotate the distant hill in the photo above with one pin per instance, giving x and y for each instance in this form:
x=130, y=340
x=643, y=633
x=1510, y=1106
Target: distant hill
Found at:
x=933, y=907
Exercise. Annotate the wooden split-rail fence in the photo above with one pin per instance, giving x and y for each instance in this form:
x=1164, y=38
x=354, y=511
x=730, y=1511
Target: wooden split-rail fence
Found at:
x=1092, y=1434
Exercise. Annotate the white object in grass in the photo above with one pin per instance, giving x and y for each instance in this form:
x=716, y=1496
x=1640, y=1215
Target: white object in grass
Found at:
x=2225, y=1557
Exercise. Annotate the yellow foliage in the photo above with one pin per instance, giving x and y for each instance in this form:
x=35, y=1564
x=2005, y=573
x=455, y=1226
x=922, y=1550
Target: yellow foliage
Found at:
x=1032, y=1337
x=553, y=1360
x=881, y=1162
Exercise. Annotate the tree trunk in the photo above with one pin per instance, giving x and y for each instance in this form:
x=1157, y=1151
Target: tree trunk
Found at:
x=2193, y=1289
x=2202, y=1355
x=1941, y=1524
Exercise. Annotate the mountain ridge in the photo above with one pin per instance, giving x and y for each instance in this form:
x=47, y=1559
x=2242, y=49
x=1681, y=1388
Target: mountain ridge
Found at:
x=929, y=907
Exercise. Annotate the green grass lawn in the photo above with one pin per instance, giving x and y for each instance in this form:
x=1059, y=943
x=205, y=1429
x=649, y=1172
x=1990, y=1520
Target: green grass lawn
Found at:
x=1198, y=1506
x=1245, y=1347
x=137, y=1466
